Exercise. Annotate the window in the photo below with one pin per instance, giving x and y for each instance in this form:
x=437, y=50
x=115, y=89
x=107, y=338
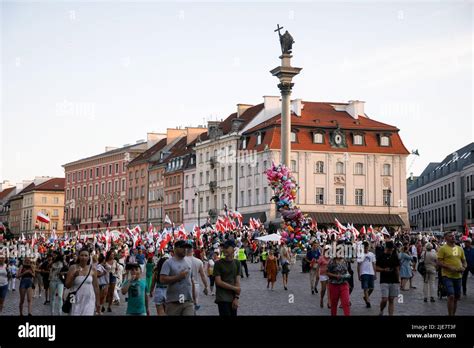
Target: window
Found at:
x=241, y=171
x=116, y=168
x=265, y=165
x=200, y=178
x=103, y=170
x=452, y=189
x=109, y=187
x=229, y=172
x=257, y=169
x=56, y=200
x=359, y=168
x=143, y=173
x=265, y=194
x=78, y=192
x=193, y=180
x=186, y=181
x=386, y=197
x=318, y=138
x=200, y=158
x=97, y=172
x=207, y=177
x=96, y=189
x=339, y=196
x=242, y=203
x=293, y=166
x=319, y=167
x=257, y=196
x=186, y=209
x=339, y=168
x=384, y=141
x=244, y=143
x=259, y=138
x=85, y=174
x=358, y=139
x=110, y=169
x=102, y=188
x=249, y=195
x=123, y=185
x=293, y=137
x=320, y=195
x=249, y=169
x=222, y=173
x=222, y=200
x=229, y=200
x=193, y=203
x=45, y=199
x=386, y=169
x=359, y=196
x=207, y=203
x=90, y=173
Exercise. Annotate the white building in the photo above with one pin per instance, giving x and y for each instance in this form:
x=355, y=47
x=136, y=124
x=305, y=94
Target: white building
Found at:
x=347, y=165
x=442, y=197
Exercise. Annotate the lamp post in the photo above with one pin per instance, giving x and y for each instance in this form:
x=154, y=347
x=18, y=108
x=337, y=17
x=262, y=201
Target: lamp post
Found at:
x=196, y=194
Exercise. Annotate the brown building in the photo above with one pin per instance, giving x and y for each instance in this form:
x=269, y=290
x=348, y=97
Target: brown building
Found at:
x=137, y=184
x=96, y=187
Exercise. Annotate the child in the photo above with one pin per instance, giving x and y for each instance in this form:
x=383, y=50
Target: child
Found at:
x=135, y=287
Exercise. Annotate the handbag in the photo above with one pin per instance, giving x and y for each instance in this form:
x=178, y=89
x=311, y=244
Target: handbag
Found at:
x=422, y=267
x=67, y=305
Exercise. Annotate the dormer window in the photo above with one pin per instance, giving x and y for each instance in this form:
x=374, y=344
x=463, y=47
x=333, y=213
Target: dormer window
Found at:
x=358, y=139
x=318, y=138
x=259, y=138
x=293, y=137
x=384, y=140
x=244, y=143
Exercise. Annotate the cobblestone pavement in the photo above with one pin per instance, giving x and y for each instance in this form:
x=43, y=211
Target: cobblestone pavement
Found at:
x=257, y=300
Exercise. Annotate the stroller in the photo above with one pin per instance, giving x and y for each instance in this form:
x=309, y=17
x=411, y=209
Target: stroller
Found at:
x=442, y=292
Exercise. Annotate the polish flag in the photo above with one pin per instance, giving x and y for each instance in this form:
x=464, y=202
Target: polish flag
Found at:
x=340, y=226
x=22, y=237
x=167, y=220
x=150, y=228
x=370, y=230
x=362, y=230
x=137, y=229
x=34, y=240
x=239, y=218
x=43, y=218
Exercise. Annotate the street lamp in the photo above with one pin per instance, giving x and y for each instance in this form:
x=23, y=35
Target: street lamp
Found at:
x=196, y=194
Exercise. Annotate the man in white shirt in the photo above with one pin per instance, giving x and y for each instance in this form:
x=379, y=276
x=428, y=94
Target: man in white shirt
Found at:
x=197, y=267
x=366, y=272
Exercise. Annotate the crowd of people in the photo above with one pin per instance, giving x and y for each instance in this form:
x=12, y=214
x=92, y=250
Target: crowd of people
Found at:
x=87, y=276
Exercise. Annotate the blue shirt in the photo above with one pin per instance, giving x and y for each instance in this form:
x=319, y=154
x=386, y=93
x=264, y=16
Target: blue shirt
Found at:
x=140, y=258
x=469, y=253
x=136, y=297
x=313, y=254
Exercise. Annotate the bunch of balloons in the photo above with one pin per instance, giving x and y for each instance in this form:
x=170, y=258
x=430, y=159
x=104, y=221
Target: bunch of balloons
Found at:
x=285, y=188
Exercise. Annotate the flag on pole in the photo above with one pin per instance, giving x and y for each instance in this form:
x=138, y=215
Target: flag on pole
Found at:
x=339, y=226
x=22, y=237
x=362, y=230
x=150, y=228
x=167, y=220
x=385, y=231
x=43, y=218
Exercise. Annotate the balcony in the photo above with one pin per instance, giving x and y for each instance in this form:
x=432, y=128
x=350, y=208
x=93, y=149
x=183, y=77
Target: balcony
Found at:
x=213, y=186
x=213, y=161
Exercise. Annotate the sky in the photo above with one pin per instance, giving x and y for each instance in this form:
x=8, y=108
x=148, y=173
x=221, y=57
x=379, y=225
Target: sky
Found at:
x=79, y=76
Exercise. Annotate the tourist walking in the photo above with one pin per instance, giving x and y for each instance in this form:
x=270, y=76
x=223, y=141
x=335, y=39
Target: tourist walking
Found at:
x=227, y=276
x=388, y=264
x=429, y=259
x=271, y=269
x=26, y=274
x=338, y=274
x=366, y=272
x=3, y=281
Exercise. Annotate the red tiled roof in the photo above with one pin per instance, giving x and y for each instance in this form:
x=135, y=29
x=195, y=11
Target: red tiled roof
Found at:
x=54, y=184
x=6, y=192
x=323, y=116
x=148, y=153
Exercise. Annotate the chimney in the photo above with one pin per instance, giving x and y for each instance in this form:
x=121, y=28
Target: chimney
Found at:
x=241, y=108
x=153, y=138
x=297, y=106
x=213, y=129
x=271, y=105
x=355, y=108
x=193, y=133
x=174, y=133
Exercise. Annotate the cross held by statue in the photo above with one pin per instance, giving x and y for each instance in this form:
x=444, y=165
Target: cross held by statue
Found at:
x=278, y=29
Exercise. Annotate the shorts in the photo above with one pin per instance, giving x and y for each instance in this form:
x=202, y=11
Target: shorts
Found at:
x=26, y=283
x=323, y=278
x=160, y=296
x=390, y=289
x=112, y=279
x=3, y=291
x=46, y=282
x=285, y=268
x=212, y=280
x=367, y=281
x=453, y=286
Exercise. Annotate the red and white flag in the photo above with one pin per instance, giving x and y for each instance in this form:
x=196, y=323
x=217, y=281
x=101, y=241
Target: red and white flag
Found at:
x=43, y=218
x=340, y=226
x=150, y=228
x=239, y=218
x=362, y=230
x=167, y=220
x=137, y=229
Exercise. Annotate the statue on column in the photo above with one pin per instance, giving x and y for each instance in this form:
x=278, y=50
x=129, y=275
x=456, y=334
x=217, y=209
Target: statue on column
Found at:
x=286, y=41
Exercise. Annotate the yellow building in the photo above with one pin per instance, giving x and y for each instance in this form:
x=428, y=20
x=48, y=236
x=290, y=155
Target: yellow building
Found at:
x=48, y=198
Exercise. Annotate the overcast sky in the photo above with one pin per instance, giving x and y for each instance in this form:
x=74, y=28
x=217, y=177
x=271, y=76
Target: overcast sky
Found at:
x=79, y=76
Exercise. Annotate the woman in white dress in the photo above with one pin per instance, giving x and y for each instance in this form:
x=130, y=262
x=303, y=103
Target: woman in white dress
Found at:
x=87, y=299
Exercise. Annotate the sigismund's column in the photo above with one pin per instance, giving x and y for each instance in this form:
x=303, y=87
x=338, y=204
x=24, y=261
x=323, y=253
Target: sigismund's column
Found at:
x=285, y=74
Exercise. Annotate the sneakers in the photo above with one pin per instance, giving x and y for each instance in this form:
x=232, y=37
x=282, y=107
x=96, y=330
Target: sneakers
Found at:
x=109, y=310
x=102, y=310
x=196, y=307
x=312, y=292
x=425, y=300
x=432, y=299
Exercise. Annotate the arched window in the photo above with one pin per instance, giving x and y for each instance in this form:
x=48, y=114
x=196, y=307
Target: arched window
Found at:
x=359, y=168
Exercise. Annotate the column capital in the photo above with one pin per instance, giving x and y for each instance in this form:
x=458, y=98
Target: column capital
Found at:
x=285, y=87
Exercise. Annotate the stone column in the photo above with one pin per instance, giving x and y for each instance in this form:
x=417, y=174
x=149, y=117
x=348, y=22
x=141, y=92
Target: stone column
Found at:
x=285, y=74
